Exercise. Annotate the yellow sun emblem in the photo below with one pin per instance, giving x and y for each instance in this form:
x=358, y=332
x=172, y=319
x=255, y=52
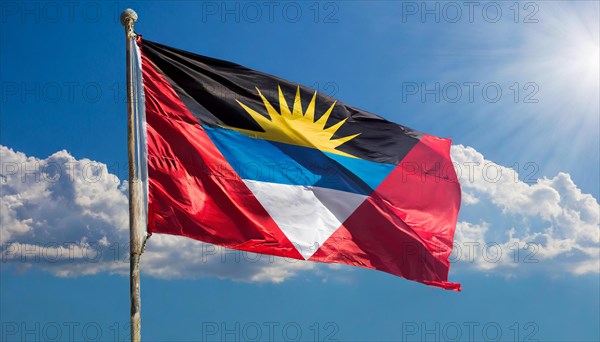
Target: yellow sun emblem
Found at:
x=295, y=126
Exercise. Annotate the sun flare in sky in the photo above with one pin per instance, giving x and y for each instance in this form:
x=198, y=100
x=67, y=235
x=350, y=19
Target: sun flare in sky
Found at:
x=552, y=68
x=563, y=52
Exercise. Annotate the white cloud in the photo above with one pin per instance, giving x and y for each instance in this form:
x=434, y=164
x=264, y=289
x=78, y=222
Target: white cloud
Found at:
x=469, y=198
x=551, y=222
x=70, y=217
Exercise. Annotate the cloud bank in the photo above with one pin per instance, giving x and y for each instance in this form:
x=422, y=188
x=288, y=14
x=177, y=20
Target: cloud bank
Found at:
x=69, y=217
x=550, y=223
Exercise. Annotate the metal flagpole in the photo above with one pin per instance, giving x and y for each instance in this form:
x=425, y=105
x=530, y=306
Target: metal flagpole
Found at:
x=136, y=222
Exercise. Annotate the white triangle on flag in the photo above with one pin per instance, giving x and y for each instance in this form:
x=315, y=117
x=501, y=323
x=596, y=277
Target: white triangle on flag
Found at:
x=307, y=215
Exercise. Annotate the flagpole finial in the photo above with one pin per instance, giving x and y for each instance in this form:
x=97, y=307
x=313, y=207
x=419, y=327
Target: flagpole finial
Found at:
x=128, y=18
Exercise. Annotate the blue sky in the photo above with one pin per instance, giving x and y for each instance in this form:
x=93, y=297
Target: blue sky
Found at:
x=529, y=160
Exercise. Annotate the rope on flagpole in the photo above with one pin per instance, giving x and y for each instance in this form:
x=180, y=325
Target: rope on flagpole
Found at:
x=128, y=19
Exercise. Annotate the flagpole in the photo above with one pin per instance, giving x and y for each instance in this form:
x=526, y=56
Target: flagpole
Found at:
x=128, y=19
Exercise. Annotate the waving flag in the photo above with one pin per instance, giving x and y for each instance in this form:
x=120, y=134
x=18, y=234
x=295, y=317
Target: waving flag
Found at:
x=248, y=161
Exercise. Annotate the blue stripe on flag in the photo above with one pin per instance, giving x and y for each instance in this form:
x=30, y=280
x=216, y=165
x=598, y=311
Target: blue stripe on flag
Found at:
x=274, y=162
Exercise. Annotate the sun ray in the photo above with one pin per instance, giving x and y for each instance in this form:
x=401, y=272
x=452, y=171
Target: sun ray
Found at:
x=310, y=110
x=323, y=119
x=270, y=109
x=283, y=106
x=297, y=110
x=343, y=140
x=332, y=129
x=260, y=119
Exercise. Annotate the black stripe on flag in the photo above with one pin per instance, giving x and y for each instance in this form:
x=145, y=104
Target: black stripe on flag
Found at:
x=210, y=87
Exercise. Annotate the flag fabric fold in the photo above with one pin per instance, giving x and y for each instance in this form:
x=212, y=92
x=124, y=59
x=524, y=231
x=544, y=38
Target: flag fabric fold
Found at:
x=252, y=162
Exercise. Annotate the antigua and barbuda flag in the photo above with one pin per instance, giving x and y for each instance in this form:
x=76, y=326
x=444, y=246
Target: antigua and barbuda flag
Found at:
x=249, y=161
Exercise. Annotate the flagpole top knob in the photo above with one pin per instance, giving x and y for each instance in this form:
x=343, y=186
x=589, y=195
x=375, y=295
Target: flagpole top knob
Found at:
x=128, y=17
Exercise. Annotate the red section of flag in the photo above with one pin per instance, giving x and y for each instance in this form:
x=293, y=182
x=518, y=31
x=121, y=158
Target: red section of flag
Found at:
x=406, y=227
x=193, y=191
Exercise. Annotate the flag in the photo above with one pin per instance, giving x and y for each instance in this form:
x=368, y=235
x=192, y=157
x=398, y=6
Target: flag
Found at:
x=249, y=161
